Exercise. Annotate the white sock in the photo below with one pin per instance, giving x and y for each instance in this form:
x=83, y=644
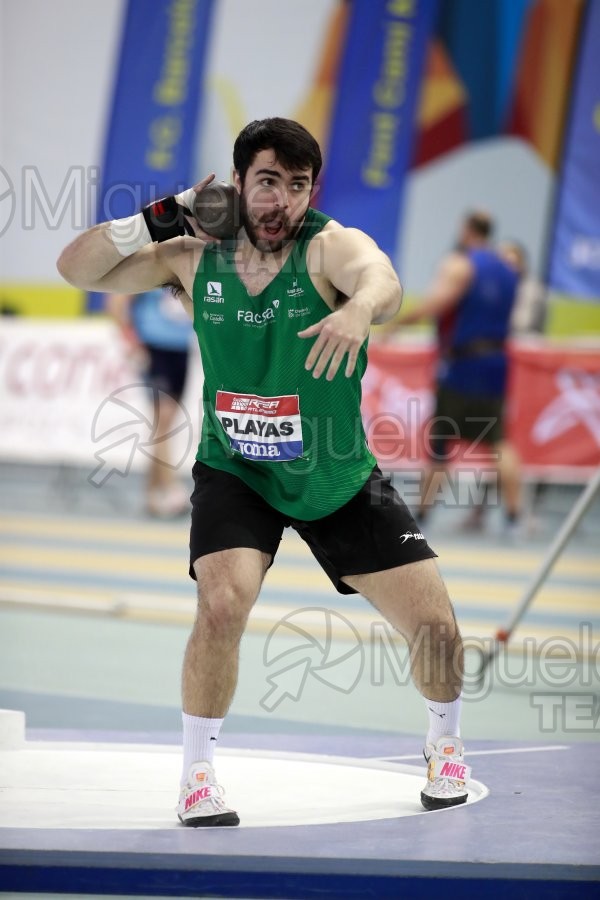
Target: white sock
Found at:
x=444, y=719
x=199, y=741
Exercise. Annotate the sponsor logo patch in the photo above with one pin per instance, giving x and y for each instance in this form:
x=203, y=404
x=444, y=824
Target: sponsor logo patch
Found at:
x=249, y=317
x=261, y=428
x=453, y=770
x=416, y=535
x=214, y=291
x=295, y=291
x=213, y=318
x=252, y=317
x=197, y=796
x=258, y=404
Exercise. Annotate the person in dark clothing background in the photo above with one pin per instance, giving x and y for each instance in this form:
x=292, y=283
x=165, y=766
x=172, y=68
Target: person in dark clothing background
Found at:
x=471, y=300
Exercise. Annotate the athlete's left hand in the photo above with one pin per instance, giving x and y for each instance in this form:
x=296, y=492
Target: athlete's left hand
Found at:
x=343, y=332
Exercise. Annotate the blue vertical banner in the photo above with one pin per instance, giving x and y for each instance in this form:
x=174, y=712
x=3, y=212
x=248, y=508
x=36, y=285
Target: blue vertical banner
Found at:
x=482, y=40
x=156, y=105
x=575, y=250
x=373, y=128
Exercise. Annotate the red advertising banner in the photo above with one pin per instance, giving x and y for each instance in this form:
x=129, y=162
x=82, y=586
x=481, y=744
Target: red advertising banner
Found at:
x=554, y=408
x=398, y=402
x=553, y=405
x=60, y=381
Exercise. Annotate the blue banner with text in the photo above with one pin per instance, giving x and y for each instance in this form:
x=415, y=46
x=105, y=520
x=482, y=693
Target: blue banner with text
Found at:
x=373, y=128
x=150, y=141
x=575, y=255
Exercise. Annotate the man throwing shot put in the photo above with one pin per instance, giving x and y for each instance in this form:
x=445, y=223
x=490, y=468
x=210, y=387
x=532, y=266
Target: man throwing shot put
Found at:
x=282, y=314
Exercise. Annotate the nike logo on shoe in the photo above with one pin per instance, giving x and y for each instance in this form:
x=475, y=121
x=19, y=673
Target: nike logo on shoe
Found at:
x=453, y=770
x=201, y=794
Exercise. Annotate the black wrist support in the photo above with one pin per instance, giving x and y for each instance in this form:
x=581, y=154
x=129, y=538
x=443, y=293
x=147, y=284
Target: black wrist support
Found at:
x=166, y=219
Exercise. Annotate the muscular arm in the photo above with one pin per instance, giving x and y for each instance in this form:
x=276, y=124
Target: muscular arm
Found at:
x=93, y=263
x=120, y=257
x=449, y=285
x=356, y=266
x=353, y=263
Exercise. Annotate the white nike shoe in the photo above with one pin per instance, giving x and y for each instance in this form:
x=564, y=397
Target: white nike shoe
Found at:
x=447, y=774
x=201, y=800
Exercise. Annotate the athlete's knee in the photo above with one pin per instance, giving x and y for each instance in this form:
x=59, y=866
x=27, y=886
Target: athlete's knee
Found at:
x=224, y=610
x=439, y=635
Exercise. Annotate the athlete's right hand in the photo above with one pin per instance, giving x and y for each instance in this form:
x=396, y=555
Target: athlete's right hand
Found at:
x=172, y=216
x=92, y=256
x=187, y=199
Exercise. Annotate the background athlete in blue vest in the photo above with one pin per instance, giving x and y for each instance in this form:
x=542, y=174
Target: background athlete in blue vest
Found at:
x=158, y=332
x=471, y=299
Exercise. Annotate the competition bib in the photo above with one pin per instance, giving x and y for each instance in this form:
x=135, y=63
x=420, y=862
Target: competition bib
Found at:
x=265, y=428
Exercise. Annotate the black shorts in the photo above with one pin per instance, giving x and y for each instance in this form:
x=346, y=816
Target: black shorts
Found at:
x=477, y=418
x=167, y=370
x=372, y=532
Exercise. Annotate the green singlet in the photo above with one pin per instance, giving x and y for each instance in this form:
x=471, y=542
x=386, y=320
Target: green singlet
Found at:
x=296, y=440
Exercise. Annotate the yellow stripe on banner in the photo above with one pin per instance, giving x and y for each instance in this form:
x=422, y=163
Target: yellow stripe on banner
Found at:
x=231, y=102
x=568, y=316
x=47, y=300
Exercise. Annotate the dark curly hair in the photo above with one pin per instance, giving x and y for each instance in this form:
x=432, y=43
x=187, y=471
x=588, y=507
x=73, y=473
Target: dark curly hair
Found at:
x=294, y=146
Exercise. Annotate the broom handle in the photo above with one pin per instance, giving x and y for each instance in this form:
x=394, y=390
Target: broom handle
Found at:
x=569, y=525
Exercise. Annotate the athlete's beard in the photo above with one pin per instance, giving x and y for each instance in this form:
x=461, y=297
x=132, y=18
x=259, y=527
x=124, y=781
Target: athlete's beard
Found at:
x=266, y=246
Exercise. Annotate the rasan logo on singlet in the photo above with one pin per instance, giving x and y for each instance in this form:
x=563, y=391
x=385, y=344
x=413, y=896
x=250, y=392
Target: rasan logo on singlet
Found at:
x=250, y=317
x=214, y=292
